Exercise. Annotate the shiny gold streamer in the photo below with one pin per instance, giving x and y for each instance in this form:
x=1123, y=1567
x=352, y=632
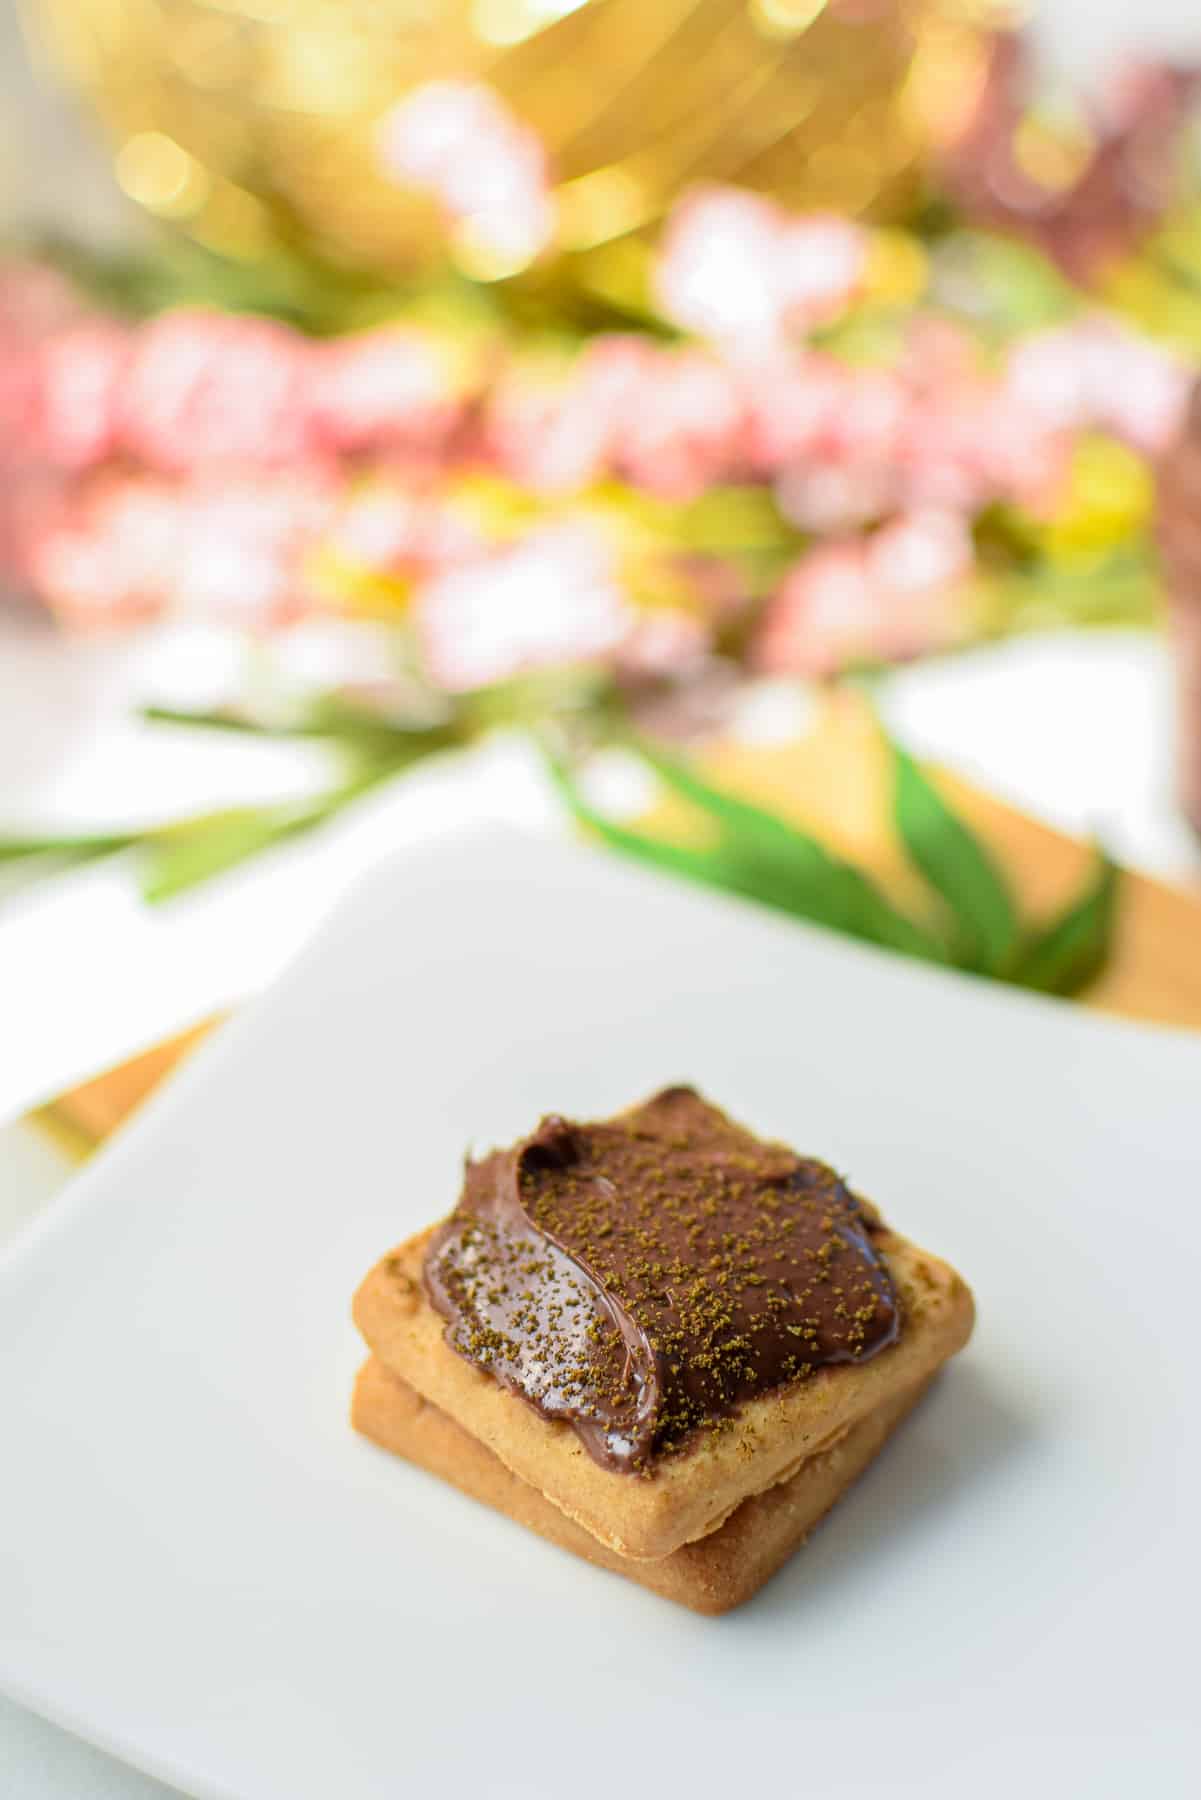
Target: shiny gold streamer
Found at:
x=252, y=123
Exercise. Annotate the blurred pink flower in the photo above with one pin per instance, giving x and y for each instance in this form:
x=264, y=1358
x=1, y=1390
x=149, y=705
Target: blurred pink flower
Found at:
x=207, y=387
x=554, y=597
x=108, y=557
x=121, y=548
x=247, y=546
x=937, y=429
x=553, y=429
x=872, y=415
x=826, y=613
x=35, y=305
x=738, y=270
x=1098, y=373
x=669, y=419
x=79, y=376
x=967, y=439
x=18, y=404
x=31, y=500
x=35, y=302
x=831, y=497
x=875, y=599
x=376, y=390
x=664, y=641
x=542, y=435
x=944, y=453
x=406, y=528
x=683, y=426
x=921, y=551
x=821, y=263
x=1024, y=459
x=793, y=403
x=923, y=416
x=457, y=141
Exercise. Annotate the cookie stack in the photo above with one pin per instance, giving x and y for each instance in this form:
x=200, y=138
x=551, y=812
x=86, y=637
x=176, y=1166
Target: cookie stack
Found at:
x=656, y=1340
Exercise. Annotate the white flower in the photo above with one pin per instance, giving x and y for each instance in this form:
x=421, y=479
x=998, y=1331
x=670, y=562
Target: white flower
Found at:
x=553, y=597
x=457, y=141
x=740, y=271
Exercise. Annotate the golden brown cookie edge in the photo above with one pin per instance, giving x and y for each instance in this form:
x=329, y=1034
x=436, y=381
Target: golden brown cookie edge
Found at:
x=711, y=1576
x=688, y=1495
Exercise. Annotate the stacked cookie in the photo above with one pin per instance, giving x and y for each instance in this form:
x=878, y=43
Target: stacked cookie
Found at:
x=657, y=1341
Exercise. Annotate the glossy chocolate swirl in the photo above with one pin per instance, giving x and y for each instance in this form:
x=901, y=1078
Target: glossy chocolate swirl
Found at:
x=643, y=1276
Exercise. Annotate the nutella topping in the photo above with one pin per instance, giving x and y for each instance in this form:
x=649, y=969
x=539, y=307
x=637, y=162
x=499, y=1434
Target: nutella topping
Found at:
x=641, y=1277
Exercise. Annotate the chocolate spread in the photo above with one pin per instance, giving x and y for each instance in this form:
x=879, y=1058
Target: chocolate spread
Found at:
x=643, y=1276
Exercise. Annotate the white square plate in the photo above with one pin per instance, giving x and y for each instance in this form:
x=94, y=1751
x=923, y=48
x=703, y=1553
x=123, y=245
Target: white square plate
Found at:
x=202, y=1569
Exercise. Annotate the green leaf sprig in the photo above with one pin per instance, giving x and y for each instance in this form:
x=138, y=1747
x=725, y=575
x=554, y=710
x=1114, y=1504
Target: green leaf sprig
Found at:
x=180, y=854
x=974, y=923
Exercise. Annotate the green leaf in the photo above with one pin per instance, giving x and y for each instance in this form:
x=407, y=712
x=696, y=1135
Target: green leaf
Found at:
x=1121, y=588
x=957, y=866
x=221, y=720
x=179, y=857
x=787, y=867
x=529, y=699
x=327, y=717
x=759, y=857
x=27, y=861
x=694, y=865
x=1014, y=287
x=375, y=745
x=182, y=855
x=73, y=848
x=738, y=819
x=1070, y=951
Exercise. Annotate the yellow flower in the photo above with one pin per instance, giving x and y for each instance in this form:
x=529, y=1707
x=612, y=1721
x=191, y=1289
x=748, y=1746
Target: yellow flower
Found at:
x=1108, y=498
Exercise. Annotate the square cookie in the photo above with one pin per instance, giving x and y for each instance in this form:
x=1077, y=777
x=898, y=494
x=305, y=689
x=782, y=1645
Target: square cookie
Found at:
x=713, y=1575
x=651, y=1319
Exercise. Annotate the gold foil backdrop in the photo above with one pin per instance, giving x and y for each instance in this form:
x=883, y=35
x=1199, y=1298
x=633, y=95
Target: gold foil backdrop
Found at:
x=255, y=122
